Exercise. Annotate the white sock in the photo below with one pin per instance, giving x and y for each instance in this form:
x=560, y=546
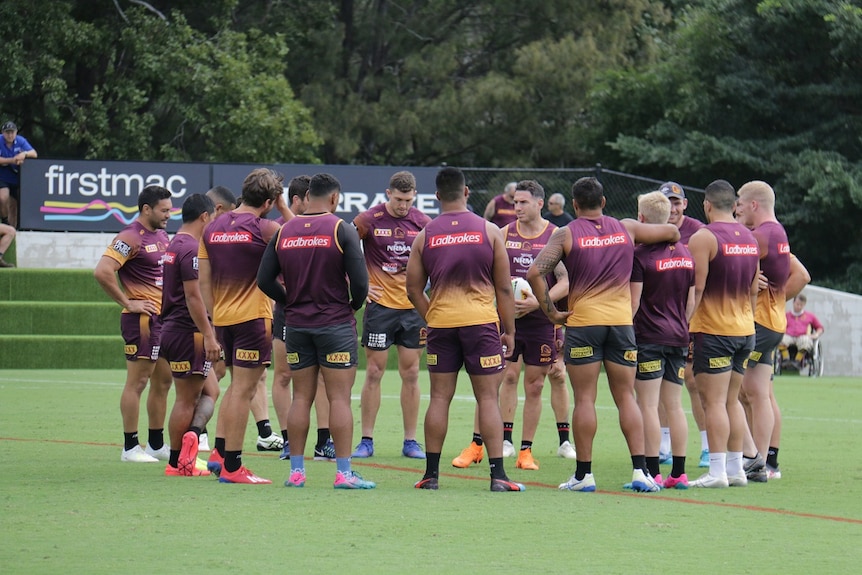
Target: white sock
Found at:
x=734, y=462
x=664, y=446
x=717, y=464
x=704, y=442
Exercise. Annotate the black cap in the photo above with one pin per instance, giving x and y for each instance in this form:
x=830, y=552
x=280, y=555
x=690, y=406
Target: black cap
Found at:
x=9, y=126
x=672, y=190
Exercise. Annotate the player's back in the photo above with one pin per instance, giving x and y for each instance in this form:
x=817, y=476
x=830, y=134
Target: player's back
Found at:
x=725, y=306
x=234, y=244
x=775, y=265
x=458, y=257
x=180, y=265
x=667, y=273
x=599, y=266
x=312, y=264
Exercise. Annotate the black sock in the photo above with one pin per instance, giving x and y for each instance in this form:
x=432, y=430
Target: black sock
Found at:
x=232, y=460
x=772, y=457
x=432, y=465
x=156, y=439
x=322, y=436
x=497, y=471
x=219, y=445
x=507, y=431
x=197, y=431
x=264, y=429
x=174, y=460
x=477, y=439
x=678, y=466
x=582, y=468
x=130, y=440
x=639, y=462
x=526, y=445
x=284, y=435
x=563, y=431
x=651, y=465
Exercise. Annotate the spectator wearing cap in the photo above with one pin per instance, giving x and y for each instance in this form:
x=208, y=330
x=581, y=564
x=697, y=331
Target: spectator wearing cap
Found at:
x=13, y=151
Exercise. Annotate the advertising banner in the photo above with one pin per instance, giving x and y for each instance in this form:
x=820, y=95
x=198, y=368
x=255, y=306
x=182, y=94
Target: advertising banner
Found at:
x=96, y=196
x=361, y=186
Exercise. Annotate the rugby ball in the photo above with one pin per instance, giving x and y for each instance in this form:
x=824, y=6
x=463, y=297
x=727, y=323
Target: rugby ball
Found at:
x=521, y=288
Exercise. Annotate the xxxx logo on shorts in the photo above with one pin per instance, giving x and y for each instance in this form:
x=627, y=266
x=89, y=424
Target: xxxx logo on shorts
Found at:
x=491, y=361
x=755, y=356
x=181, y=366
x=577, y=352
x=719, y=362
x=130, y=349
x=630, y=355
x=649, y=366
x=247, y=355
x=338, y=357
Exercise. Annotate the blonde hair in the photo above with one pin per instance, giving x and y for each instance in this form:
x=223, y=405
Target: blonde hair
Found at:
x=760, y=192
x=654, y=207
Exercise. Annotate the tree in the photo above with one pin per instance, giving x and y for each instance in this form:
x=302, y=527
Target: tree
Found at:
x=747, y=91
x=138, y=83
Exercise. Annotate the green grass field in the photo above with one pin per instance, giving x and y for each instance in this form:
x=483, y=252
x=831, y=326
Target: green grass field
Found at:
x=69, y=505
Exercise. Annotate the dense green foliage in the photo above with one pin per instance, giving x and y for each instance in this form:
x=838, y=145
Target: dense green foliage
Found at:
x=693, y=91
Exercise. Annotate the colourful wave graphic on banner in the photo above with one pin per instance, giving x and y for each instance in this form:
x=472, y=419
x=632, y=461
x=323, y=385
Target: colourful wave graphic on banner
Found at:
x=78, y=212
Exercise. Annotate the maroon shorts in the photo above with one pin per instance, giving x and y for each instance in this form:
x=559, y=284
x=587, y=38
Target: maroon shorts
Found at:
x=141, y=335
x=247, y=344
x=477, y=347
x=184, y=352
x=536, y=343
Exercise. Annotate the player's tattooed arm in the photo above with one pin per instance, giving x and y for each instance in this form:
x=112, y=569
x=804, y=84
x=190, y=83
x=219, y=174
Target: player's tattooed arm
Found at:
x=550, y=260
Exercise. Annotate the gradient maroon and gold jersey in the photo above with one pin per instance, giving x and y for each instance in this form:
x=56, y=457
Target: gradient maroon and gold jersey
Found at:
x=599, y=267
x=504, y=212
x=139, y=253
x=315, y=278
x=522, y=250
x=459, y=259
x=234, y=244
x=725, y=306
x=181, y=265
x=386, y=241
x=775, y=265
x=667, y=273
x=687, y=229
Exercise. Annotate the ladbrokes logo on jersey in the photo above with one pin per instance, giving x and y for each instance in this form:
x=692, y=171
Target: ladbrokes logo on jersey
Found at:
x=456, y=239
x=783, y=248
x=603, y=241
x=740, y=250
x=230, y=237
x=299, y=242
x=674, y=264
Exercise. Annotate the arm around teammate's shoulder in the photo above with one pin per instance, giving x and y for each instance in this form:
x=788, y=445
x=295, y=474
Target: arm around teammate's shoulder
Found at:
x=642, y=233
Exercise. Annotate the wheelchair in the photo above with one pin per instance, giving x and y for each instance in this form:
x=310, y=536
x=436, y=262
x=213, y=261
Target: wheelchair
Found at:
x=811, y=365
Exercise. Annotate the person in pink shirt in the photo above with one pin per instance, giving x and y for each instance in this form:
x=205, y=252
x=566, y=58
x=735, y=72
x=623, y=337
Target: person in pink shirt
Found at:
x=803, y=329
